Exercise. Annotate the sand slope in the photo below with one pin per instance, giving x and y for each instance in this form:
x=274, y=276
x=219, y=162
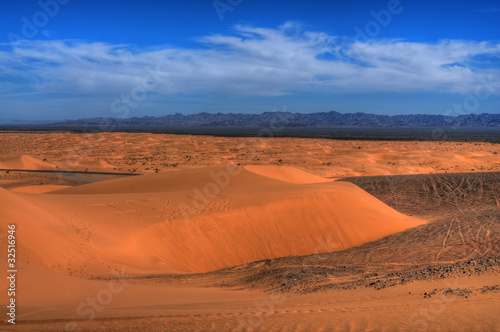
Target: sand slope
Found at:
x=177, y=180
x=199, y=220
x=287, y=174
x=165, y=307
x=43, y=239
x=318, y=220
x=25, y=162
x=38, y=189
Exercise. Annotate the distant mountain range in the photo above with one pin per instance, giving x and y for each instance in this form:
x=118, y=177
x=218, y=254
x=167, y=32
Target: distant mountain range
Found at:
x=12, y=122
x=287, y=119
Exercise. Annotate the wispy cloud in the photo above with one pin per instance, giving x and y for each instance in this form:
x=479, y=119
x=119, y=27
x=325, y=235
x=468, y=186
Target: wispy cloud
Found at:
x=251, y=61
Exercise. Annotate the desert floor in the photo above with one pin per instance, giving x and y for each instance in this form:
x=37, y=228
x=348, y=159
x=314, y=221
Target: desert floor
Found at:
x=248, y=234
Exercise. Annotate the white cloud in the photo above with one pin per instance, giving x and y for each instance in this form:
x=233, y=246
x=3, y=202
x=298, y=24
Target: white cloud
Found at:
x=252, y=61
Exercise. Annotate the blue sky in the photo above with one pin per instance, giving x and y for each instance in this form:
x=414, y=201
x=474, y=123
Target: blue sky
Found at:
x=68, y=59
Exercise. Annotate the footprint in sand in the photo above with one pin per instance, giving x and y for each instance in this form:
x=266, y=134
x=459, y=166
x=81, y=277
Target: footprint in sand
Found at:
x=160, y=204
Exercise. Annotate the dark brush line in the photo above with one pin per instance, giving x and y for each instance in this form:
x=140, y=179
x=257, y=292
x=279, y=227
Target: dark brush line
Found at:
x=63, y=172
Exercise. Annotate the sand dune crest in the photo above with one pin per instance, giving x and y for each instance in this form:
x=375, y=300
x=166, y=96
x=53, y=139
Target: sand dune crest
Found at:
x=287, y=174
x=169, y=228
x=318, y=220
x=179, y=180
x=25, y=162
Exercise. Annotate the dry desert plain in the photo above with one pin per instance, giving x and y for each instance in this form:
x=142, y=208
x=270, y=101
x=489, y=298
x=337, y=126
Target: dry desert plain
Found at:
x=249, y=234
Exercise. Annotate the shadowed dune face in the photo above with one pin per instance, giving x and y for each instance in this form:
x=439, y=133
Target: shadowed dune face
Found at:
x=205, y=219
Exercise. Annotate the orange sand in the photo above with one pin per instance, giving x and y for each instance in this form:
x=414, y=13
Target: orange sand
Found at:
x=203, y=212
x=152, y=223
x=25, y=162
x=39, y=189
x=144, y=152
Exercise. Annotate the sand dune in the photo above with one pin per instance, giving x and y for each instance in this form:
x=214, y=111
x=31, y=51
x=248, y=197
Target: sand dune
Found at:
x=205, y=219
x=46, y=240
x=25, y=162
x=199, y=214
x=316, y=220
x=38, y=189
x=177, y=180
x=146, y=152
x=82, y=164
x=287, y=174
